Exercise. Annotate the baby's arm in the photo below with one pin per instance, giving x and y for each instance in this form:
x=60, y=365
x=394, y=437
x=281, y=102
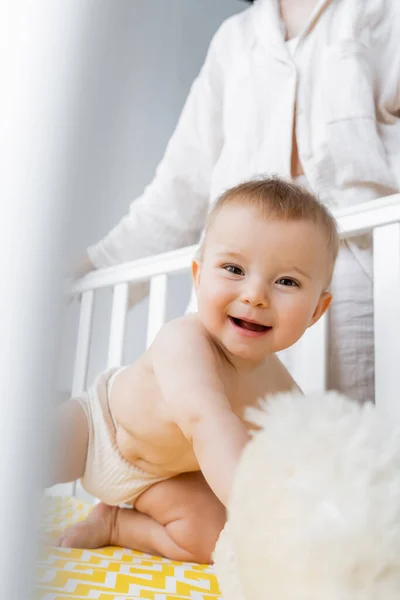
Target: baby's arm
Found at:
x=186, y=368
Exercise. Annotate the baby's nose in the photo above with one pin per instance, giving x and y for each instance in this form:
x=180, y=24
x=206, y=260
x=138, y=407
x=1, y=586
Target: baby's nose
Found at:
x=256, y=295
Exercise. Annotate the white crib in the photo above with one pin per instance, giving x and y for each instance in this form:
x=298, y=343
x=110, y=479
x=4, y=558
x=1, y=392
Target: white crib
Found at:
x=381, y=216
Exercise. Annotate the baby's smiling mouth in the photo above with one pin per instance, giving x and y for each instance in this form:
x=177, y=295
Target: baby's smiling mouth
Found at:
x=249, y=325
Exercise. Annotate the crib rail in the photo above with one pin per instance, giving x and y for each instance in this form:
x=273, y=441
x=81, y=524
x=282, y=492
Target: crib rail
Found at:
x=382, y=217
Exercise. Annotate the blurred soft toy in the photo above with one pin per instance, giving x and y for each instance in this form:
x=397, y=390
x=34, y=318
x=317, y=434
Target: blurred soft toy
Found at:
x=315, y=507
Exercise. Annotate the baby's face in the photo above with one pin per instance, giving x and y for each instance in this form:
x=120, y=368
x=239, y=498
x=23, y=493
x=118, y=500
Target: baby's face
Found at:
x=260, y=283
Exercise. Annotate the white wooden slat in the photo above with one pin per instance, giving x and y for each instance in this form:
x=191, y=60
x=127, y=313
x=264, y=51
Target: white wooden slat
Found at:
x=157, y=305
x=83, y=343
x=117, y=327
x=308, y=366
x=387, y=318
x=315, y=351
x=81, y=361
x=79, y=376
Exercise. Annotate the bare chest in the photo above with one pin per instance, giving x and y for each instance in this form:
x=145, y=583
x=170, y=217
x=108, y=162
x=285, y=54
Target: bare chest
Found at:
x=247, y=389
x=295, y=15
x=243, y=393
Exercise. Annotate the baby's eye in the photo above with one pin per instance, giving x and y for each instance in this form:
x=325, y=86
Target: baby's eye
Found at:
x=235, y=270
x=287, y=281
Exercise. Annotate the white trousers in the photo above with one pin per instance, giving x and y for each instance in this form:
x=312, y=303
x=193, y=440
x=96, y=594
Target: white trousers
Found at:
x=351, y=325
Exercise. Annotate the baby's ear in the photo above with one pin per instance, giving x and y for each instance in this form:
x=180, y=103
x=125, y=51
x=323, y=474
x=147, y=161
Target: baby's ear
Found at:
x=196, y=270
x=321, y=308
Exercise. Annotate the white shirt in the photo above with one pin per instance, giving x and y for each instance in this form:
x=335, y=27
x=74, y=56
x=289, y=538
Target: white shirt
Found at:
x=343, y=77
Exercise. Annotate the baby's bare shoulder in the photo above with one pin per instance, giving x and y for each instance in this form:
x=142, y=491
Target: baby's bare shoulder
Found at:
x=186, y=329
x=277, y=377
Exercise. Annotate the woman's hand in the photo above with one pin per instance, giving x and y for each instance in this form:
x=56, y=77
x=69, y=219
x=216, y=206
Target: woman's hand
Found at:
x=81, y=268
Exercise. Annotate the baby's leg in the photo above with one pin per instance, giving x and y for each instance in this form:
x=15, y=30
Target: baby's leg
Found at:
x=70, y=442
x=179, y=518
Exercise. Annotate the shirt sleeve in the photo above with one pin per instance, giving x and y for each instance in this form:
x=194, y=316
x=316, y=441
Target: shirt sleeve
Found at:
x=395, y=50
x=389, y=63
x=171, y=212
x=388, y=107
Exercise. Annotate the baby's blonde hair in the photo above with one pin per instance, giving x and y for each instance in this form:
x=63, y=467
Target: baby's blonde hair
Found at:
x=278, y=199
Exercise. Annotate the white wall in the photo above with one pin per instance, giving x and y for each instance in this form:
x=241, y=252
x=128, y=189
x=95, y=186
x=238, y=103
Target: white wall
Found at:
x=138, y=60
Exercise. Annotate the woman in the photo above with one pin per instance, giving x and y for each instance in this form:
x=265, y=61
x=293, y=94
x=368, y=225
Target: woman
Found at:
x=305, y=89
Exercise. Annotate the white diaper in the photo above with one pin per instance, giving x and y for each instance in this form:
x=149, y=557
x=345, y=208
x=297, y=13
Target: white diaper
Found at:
x=108, y=475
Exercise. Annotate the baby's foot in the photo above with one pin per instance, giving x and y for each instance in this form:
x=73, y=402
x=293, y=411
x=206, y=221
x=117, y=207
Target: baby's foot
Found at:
x=94, y=532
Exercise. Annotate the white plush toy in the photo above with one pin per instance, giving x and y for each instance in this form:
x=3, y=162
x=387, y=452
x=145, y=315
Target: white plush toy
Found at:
x=315, y=506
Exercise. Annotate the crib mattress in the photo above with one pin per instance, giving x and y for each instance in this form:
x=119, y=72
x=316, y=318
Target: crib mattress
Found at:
x=111, y=572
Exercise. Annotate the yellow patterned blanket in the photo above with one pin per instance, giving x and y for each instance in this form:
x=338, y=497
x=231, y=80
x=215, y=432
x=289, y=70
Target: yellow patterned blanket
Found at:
x=109, y=573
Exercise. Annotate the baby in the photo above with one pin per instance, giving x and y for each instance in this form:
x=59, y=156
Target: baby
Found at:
x=164, y=435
